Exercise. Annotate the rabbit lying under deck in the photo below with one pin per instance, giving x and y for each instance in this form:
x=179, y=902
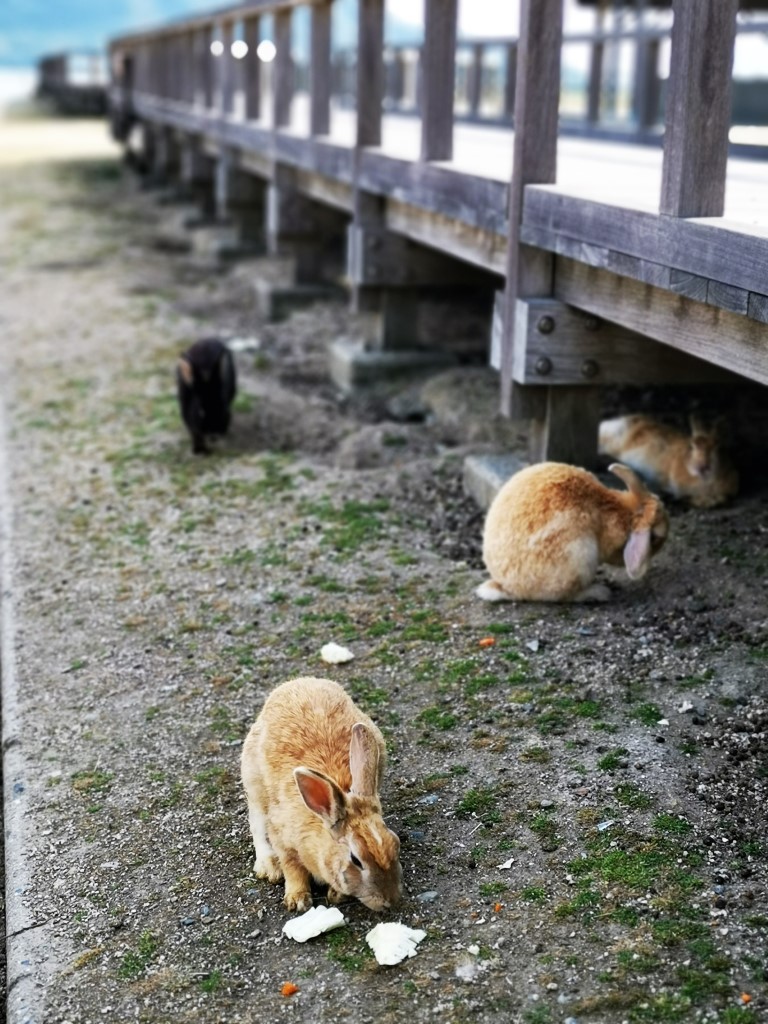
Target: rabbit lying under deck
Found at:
x=551, y=525
x=312, y=765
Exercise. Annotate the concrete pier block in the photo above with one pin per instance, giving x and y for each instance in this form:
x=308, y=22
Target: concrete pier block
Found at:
x=485, y=475
x=353, y=364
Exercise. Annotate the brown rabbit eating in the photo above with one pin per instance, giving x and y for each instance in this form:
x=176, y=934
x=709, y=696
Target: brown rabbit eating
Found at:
x=312, y=765
x=551, y=525
x=690, y=466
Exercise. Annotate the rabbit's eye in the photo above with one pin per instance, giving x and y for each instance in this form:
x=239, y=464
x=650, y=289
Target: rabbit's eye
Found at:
x=356, y=860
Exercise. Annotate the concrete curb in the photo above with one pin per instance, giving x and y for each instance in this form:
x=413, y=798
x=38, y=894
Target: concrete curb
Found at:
x=28, y=947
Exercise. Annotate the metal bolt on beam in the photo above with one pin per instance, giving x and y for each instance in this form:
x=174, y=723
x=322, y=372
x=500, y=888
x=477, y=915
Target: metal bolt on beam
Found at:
x=543, y=365
x=546, y=325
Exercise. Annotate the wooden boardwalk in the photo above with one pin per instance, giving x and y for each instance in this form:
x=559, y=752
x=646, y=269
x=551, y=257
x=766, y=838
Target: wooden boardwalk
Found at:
x=614, y=262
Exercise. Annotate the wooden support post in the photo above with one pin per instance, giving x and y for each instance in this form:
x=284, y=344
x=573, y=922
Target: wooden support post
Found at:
x=282, y=70
x=241, y=198
x=308, y=232
x=320, y=70
x=564, y=424
x=252, y=70
x=698, y=108
x=438, y=78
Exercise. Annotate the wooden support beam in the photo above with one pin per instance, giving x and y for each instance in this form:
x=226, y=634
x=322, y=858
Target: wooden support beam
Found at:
x=370, y=72
x=557, y=344
x=252, y=69
x=698, y=108
x=320, y=70
x=438, y=79
x=726, y=339
x=282, y=70
x=379, y=258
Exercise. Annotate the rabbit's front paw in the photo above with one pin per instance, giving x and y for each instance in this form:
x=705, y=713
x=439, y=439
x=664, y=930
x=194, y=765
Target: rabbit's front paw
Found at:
x=301, y=900
x=268, y=867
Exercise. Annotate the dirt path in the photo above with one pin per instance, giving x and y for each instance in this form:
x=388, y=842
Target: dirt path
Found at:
x=581, y=802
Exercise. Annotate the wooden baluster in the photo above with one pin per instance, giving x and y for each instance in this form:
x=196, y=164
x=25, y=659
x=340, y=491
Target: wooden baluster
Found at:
x=475, y=79
x=320, y=70
x=252, y=69
x=698, y=108
x=438, y=79
x=595, y=85
x=226, y=69
x=647, y=92
x=282, y=69
x=370, y=72
x=510, y=76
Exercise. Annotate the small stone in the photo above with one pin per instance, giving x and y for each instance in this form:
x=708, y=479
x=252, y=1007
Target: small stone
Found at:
x=427, y=897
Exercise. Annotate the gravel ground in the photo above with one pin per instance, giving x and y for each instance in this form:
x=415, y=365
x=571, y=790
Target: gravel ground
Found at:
x=580, y=791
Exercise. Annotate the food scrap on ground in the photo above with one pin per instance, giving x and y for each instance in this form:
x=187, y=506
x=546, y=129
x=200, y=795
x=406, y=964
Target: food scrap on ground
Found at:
x=314, y=922
x=289, y=989
x=335, y=654
x=487, y=641
x=392, y=942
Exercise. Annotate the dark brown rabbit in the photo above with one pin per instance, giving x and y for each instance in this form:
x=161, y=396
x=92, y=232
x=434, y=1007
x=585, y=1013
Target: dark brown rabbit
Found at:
x=207, y=382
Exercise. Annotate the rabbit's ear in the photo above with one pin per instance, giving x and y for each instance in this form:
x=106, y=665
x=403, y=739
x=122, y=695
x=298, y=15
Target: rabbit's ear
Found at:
x=637, y=553
x=186, y=372
x=634, y=484
x=321, y=795
x=363, y=761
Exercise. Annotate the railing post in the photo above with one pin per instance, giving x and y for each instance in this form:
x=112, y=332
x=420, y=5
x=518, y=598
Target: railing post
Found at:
x=370, y=71
x=475, y=79
x=510, y=77
x=252, y=69
x=282, y=69
x=595, y=85
x=227, y=70
x=320, y=70
x=439, y=76
x=698, y=108
x=646, y=98
x=205, y=66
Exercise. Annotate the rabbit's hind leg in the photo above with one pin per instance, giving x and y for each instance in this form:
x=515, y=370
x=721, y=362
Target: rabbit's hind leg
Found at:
x=266, y=864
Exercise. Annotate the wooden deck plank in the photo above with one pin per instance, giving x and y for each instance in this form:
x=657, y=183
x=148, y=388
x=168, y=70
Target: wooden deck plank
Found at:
x=731, y=253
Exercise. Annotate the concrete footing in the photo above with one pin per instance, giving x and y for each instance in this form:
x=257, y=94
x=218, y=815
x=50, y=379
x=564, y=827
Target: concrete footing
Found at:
x=484, y=475
x=354, y=364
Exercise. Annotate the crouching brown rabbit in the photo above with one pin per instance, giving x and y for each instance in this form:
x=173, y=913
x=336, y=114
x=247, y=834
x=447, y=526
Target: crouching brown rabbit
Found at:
x=551, y=525
x=312, y=765
x=207, y=382
x=690, y=465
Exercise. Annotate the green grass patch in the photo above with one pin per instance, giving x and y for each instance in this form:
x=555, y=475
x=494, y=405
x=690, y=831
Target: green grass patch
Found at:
x=135, y=962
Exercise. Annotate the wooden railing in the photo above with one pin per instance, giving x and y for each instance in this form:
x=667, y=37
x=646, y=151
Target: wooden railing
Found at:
x=671, y=267
x=84, y=92
x=176, y=62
